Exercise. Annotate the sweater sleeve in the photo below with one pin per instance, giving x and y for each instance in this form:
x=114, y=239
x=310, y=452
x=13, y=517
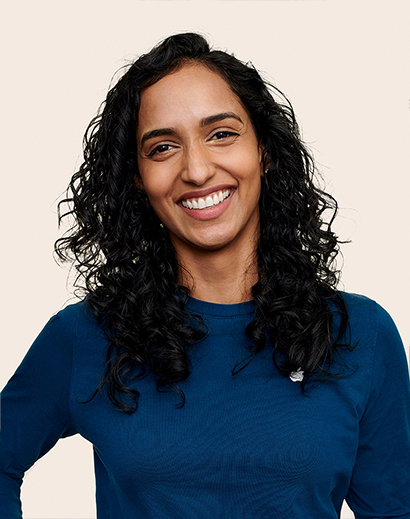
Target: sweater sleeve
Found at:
x=380, y=484
x=34, y=411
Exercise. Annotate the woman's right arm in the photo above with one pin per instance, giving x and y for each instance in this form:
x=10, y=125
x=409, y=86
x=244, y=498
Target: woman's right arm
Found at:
x=34, y=410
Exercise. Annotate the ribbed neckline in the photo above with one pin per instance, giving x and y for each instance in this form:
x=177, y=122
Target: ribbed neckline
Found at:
x=219, y=310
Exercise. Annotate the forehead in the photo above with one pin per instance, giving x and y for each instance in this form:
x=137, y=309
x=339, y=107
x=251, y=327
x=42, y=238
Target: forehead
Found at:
x=185, y=96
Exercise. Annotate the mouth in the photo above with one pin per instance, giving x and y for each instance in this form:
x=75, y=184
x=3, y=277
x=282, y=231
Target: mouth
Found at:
x=207, y=201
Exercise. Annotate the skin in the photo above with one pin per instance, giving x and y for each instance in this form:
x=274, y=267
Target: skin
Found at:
x=184, y=152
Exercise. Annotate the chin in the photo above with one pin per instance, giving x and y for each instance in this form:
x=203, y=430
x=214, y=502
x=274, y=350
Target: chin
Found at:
x=214, y=243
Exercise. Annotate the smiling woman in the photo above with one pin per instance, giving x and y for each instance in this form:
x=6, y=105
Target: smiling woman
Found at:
x=213, y=363
x=202, y=175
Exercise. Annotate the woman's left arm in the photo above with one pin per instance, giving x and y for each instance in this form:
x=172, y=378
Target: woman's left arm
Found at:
x=380, y=484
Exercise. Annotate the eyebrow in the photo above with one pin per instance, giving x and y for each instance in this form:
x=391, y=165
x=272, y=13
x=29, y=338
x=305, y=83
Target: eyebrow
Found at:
x=206, y=121
x=219, y=117
x=161, y=132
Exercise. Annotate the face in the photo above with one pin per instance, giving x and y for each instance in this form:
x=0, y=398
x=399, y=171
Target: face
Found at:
x=199, y=160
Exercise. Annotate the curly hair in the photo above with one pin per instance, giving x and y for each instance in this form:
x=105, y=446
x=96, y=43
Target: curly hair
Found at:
x=127, y=265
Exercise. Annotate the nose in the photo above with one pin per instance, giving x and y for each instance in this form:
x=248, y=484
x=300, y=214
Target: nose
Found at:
x=197, y=165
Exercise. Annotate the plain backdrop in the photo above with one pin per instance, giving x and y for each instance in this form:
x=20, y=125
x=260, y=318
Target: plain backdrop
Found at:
x=344, y=65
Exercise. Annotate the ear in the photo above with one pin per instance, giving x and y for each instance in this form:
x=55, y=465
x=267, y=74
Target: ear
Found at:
x=264, y=159
x=138, y=182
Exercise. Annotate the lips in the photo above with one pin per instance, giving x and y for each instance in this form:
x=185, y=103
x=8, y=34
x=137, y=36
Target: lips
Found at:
x=211, y=203
x=209, y=200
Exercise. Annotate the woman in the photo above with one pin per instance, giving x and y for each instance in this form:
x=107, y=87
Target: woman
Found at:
x=212, y=364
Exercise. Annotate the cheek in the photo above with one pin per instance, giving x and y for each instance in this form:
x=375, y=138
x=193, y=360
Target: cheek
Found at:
x=154, y=183
x=246, y=161
x=159, y=198
x=152, y=190
x=249, y=172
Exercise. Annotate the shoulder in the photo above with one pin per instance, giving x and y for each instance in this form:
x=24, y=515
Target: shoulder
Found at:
x=374, y=334
x=361, y=305
x=376, y=356
x=368, y=318
x=74, y=336
x=53, y=351
x=72, y=332
x=74, y=319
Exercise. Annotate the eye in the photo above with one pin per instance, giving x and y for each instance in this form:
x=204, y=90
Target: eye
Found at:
x=160, y=149
x=223, y=135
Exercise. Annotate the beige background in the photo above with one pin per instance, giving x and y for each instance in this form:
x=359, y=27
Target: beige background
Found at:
x=344, y=65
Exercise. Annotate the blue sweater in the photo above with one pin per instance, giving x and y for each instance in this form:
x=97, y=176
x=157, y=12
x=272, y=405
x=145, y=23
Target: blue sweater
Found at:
x=243, y=446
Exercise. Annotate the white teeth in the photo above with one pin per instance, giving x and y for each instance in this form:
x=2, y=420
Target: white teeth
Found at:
x=210, y=200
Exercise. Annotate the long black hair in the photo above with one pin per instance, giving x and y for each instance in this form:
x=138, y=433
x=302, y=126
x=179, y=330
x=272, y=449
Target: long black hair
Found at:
x=126, y=262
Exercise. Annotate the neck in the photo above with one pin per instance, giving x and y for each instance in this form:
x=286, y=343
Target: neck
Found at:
x=221, y=276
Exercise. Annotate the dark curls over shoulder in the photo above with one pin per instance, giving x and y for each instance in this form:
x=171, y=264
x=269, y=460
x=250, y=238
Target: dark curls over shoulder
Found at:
x=126, y=262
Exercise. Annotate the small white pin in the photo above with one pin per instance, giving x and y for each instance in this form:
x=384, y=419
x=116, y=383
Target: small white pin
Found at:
x=296, y=376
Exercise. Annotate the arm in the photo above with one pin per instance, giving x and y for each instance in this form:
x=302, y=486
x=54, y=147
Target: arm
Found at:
x=380, y=485
x=34, y=411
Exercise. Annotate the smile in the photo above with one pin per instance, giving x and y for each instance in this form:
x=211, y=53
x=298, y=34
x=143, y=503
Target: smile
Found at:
x=208, y=201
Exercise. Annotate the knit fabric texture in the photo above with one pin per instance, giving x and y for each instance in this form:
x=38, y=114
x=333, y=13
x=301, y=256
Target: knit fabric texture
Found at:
x=248, y=445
